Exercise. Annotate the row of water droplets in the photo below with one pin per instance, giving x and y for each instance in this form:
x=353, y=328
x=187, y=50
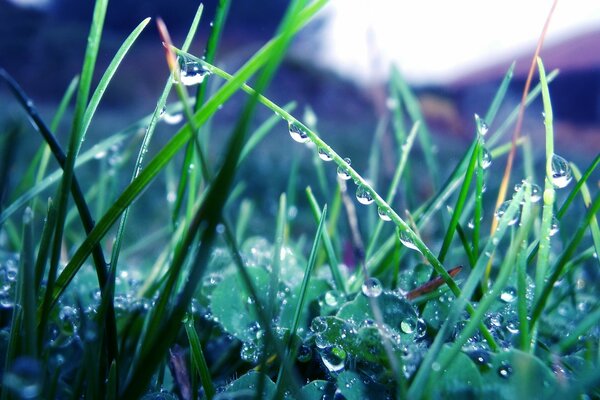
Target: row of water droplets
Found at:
x=363, y=195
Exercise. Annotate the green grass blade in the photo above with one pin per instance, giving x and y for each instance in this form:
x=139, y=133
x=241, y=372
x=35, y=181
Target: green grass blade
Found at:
x=108, y=75
x=422, y=376
x=149, y=133
x=280, y=226
x=589, y=322
x=168, y=152
x=290, y=352
x=563, y=260
x=460, y=203
x=517, y=247
x=414, y=111
x=58, y=116
x=587, y=198
x=549, y=196
x=198, y=360
x=45, y=241
x=405, y=148
x=27, y=290
x=333, y=260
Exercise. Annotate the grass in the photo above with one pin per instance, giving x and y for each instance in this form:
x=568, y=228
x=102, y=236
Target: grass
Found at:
x=432, y=308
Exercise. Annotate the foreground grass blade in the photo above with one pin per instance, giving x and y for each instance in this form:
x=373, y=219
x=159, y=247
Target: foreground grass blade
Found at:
x=461, y=302
x=290, y=351
x=333, y=260
x=206, y=218
x=156, y=165
x=198, y=360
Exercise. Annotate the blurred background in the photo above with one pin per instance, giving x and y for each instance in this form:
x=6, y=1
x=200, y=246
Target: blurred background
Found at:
x=453, y=53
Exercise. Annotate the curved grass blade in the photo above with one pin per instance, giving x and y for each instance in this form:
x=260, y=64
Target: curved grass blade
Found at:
x=548, y=197
x=170, y=149
x=149, y=133
x=402, y=226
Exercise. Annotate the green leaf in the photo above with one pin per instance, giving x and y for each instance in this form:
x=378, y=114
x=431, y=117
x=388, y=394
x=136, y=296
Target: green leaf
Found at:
x=461, y=379
x=356, y=387
x=517, y=375
x=244, y=387
x=232, y=305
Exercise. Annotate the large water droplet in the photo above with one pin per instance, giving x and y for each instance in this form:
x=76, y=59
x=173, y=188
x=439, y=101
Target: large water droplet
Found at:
x=324, y=155
x=363, y=196
x=408, y=326
x=482, y=125
x=508, y=295
x=406, y=240
x=383, y=214
x=297, y=133
x=502, y=210
x=486, y=159
x=191, y=71
x=343, y=172
x=334, y=358
x=561, y=172
x=372, y=287
x=171, y=119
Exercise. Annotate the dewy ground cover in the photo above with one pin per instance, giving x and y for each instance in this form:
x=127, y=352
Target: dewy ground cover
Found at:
x=351, y=293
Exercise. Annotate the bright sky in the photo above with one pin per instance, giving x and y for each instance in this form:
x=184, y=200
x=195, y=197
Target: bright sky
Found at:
x=439, y=40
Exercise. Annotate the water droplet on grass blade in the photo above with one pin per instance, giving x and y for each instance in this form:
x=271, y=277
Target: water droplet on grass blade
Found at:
x=372, y=287
x=172, y=119
x=482, y=126
x=324, y=155
x=406, y=240
x=502, y=210
x=486, y=158
x=334, y=358
x=342, y=173
x=297, y=133
x=191, y=72
x=363, y=196
x=554, y=227
x=383, y=214
x=561, y=172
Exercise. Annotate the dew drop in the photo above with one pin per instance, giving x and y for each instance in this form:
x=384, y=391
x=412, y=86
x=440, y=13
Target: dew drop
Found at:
x=324, y=155
x=502, y=210
x=383, y=214
x=561, y=172
x=482, y=126
x=318, y=325
x=486, y=159
x=191, y=71
x=297, y=133
x=406, y=240
x=508, y=295
x=343, y=172
x=408, y=326
x=363, y=196
x=334, y=358
x=536, y=193
x=172, y=119
x=505, y=370
x=554, y=226
x=372, y=287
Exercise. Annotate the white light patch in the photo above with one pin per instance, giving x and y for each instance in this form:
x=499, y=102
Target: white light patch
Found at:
x=435, y=41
